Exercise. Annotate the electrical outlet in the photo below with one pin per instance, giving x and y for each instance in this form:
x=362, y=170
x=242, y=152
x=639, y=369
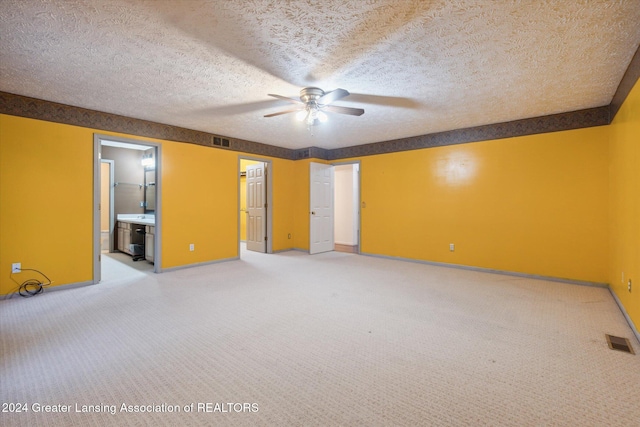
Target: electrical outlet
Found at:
x=192, y=247
x=16, y=267
x=289, y=235
x=629, y=285
x=452, y=247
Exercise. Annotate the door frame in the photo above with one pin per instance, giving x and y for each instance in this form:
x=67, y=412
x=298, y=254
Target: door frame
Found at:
x=358, y=195
x=97, y=157
x=112, y=220
x=269, y=182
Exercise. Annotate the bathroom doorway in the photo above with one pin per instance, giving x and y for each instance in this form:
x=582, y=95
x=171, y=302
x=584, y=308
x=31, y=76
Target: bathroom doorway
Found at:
x=129, y=203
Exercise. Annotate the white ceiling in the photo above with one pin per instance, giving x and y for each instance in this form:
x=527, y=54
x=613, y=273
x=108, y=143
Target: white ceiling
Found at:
x=416, y=67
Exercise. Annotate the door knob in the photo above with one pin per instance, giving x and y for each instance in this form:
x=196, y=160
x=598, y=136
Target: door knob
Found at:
x=313, y=213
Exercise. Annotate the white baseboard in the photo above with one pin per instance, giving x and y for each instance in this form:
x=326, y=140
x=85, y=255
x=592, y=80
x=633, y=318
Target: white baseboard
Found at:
x=291, y=249
x=490, y=270
x=51, y=289
x=200, y=264
x=626, y=315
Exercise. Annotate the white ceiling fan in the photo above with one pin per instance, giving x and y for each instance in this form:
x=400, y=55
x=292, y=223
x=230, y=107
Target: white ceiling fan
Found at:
x=314, y=102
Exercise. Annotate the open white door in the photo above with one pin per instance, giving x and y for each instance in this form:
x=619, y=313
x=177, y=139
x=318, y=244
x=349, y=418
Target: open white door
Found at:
x=321, y=237
x=256, y=208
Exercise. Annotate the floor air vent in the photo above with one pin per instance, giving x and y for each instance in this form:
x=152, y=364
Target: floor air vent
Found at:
x=619, y=343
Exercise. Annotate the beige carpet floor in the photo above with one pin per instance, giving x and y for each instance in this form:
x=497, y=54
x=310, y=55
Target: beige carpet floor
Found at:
x=332, y=339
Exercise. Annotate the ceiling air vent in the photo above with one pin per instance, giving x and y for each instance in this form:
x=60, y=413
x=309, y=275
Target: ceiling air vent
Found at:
x=619, y=343
x=217, y=140
x=303, y=154
x=225, y=142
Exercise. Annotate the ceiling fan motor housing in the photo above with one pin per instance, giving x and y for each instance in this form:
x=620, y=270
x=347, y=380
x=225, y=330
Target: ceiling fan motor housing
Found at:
x=311, y=94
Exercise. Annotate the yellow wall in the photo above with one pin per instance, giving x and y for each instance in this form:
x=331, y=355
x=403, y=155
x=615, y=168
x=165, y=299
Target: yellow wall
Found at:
x=284, y=196
x=533, y=204
x=199, y=204
x=46, y=201
x=624, y=202
x=301, y=208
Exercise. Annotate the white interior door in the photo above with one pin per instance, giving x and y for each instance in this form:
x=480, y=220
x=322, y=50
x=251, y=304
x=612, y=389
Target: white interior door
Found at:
x=256, y=208
x=321, y=237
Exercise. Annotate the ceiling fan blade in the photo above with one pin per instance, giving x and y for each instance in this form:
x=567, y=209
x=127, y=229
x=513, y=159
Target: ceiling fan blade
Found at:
x=343, y=110
x=387, y=101
x=234, y=109
x=334, y=95
x=284, y=98
x=292, y=110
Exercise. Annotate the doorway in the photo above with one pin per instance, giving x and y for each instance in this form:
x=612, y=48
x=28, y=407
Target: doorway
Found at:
x=254, y=205
x=347, y=208
x=131, y=195
x=334, y=207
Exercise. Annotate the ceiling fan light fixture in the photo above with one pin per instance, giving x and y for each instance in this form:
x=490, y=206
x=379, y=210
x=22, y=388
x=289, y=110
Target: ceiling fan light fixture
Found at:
x=311, y=119
x=301, y=115
x=312, y=101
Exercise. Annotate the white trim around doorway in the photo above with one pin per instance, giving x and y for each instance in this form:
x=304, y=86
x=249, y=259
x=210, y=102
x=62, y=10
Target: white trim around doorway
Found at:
x=97, y=154
x=359, y=197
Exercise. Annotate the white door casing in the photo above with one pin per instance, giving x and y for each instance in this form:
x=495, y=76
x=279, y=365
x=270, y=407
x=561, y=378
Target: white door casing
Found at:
x=98, y=141
x=321, y=238
x=256, y=207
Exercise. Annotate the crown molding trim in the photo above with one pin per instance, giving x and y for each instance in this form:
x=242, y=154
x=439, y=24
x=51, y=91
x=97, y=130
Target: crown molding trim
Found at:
x=33, y=108
x=553, y=123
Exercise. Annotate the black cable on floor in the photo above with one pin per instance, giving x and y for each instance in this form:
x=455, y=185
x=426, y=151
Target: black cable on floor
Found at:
x=31, y=287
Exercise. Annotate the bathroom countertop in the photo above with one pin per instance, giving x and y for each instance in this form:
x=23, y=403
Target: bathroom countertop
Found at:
x=137, y=219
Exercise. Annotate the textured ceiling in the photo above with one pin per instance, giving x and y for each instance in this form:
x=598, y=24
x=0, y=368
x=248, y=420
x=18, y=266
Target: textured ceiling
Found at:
x=416, y=67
